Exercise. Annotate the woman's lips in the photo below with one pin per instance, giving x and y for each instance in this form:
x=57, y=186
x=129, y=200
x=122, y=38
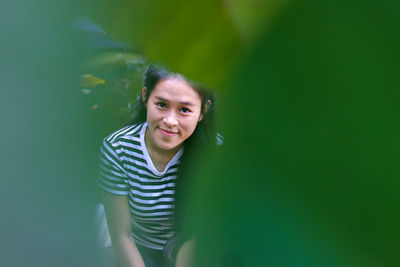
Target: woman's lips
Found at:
x=168, y=133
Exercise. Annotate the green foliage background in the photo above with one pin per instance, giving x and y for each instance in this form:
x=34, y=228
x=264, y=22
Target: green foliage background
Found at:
x=308, y=91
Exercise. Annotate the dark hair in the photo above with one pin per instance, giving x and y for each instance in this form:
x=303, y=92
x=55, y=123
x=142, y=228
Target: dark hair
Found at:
x=202, y=140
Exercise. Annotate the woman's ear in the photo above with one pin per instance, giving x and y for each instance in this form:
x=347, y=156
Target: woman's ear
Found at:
x=144, y=96
x=206, y=108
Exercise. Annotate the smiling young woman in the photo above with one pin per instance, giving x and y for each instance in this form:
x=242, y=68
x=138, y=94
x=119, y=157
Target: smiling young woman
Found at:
x=173, y=111
x=144, y=167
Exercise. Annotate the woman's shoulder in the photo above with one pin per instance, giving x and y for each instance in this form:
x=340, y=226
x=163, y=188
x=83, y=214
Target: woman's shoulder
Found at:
x=125, y=132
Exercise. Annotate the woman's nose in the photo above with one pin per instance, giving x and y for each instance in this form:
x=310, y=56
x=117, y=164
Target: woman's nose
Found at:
x=170, y=120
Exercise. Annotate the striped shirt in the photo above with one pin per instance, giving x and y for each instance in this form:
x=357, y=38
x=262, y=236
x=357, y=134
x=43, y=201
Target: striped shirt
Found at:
x=127, y=169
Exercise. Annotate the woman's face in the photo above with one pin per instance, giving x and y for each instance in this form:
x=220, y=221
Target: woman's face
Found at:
x=173, y=111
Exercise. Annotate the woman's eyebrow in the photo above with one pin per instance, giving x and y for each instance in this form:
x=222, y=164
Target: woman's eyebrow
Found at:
x=182, y=103
x=161, y=99
x=186, y=103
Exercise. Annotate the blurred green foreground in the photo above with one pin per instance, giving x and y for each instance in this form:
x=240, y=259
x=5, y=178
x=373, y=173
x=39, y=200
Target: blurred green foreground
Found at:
x=308, y=105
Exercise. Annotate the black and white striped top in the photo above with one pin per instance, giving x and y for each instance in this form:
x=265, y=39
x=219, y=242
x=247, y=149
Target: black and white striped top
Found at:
x=127, y=169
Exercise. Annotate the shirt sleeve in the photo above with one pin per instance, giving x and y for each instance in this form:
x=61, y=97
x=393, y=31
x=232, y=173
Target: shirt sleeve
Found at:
x=112, y=178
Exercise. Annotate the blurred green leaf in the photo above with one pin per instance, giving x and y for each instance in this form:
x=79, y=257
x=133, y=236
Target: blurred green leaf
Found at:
x=202, y=39
x=113, y=59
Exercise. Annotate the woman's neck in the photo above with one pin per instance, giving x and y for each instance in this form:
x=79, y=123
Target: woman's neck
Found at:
x=159, y=157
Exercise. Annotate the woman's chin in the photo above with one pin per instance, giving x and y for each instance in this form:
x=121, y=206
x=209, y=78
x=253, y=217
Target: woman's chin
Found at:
x=167, y=146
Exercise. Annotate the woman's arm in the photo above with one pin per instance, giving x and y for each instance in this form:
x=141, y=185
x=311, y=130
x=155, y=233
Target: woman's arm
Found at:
x=118, y=220
x=185, y=255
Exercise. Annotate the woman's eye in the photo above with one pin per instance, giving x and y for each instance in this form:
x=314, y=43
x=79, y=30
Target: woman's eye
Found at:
x=161, y=105
x=185, y=110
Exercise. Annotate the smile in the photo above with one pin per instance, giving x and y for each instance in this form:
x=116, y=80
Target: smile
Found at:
x=167, y=133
